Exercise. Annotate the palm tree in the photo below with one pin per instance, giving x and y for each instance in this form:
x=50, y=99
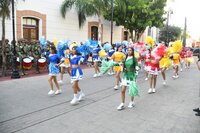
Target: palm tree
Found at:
x=4, y=14
x=86, y=8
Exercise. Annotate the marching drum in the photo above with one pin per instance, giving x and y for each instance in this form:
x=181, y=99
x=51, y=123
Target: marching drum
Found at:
x=42, y=63
x=27, y=63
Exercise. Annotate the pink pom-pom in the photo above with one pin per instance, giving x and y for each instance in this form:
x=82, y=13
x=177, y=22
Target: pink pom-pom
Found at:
x=159, y=51
x=140, y=46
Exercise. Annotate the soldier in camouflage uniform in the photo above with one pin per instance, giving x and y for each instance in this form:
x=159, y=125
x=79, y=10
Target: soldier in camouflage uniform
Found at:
x=36, y=55
x=21, y=54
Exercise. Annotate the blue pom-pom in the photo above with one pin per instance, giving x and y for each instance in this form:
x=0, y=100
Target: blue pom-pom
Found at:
x=107, y=46
x=43, y=42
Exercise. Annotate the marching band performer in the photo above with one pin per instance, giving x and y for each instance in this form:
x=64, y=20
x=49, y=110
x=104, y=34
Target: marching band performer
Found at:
x=164, y=65
x=96, y=60
x=54, y=59
x=129, y=78
x=65, y=64
x=76, y=75
x=118, y=57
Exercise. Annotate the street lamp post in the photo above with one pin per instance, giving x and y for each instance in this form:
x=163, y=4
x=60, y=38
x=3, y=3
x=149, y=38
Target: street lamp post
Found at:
x=15, y=73
x=168, y=13
x=184, y=33
x=111, y=37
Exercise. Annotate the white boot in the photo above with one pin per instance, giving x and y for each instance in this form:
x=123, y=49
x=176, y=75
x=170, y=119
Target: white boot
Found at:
x=131, y=104
x=120, y=107
x=81, y=96
x=74, y=100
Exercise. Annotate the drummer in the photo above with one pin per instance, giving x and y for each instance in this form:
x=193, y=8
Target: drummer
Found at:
x=21, y=54
x=36, y=56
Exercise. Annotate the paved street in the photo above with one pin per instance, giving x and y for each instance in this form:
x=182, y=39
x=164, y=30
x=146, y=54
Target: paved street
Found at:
x=25, y=106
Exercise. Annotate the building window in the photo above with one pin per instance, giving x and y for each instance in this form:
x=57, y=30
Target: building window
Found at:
x=30, y=28
x=94, y=33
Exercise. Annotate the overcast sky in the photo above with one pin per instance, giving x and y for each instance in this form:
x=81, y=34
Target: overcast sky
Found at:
x=189, y=9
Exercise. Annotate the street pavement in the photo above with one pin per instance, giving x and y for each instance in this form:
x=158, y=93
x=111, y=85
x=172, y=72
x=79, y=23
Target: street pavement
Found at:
x=25, y=106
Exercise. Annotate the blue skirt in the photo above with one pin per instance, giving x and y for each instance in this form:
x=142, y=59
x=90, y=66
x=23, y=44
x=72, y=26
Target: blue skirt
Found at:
x=96, y=58
x=76, y=74
x=53, y=69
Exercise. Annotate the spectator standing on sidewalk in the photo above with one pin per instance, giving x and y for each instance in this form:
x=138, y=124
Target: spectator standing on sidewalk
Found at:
x=198, y=109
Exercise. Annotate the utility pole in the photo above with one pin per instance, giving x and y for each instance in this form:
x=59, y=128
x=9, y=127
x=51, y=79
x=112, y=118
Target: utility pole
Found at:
x=111, y=36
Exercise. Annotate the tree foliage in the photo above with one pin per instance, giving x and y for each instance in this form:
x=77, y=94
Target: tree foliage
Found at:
x=4, y=14
x=136, y=15
x=84, y=8
x=174, y=33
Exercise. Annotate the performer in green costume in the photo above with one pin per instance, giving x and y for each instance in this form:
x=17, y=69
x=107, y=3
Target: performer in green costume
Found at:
x=130, y=70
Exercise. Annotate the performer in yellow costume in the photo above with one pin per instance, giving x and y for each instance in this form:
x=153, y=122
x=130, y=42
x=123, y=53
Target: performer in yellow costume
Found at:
x=164, y=65
x=65, y=64
x=118, y=58
x=177, y=47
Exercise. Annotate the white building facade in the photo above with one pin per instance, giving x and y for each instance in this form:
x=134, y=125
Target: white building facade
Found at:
x=35, y=19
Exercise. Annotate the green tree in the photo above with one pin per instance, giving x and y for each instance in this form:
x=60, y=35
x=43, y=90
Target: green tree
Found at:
x=174, y=33
x=4, y=14
x=136, y=15
x=85, y=8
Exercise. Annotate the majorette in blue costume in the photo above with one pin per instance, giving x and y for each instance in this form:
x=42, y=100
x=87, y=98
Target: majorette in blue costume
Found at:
x=76, y=72
x=54, y=60
x=96, y=60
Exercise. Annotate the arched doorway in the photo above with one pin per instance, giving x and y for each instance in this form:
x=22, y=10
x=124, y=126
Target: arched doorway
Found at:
x=94, y=32
x=30, y=28
x=93, y=29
